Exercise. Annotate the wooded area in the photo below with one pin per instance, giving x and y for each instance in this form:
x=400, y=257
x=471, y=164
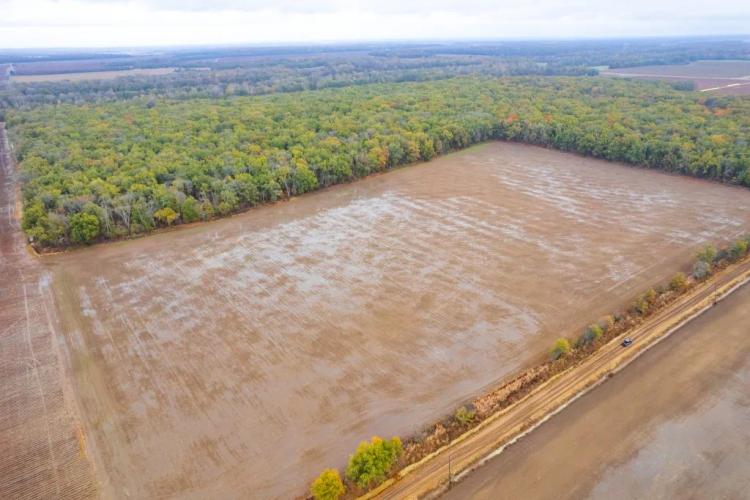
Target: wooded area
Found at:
x=120, y=168
x=227, y=71
x=271, y=75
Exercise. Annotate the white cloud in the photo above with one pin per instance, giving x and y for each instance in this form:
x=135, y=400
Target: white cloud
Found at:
x=79, y=23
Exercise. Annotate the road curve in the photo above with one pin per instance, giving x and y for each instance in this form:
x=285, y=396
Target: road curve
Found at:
x=43, y=453
x=489, y=438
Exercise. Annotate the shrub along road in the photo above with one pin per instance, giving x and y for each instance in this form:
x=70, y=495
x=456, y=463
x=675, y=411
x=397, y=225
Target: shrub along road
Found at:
x=489, y=438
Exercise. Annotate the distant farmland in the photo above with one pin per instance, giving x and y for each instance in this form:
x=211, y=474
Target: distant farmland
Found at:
x=90, y=75
x=723, y=77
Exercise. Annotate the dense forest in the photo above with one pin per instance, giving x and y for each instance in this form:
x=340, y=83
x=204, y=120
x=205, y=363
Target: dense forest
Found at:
x=228, y=71
x=119, y=168
x=614, y=53
x=269, y=75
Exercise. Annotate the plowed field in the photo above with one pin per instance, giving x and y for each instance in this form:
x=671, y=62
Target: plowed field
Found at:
x=242, y=356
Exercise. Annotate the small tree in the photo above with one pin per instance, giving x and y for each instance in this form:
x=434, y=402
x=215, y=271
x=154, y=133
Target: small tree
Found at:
x=592, y=334
x=36, y=223
x=708, y=254
x=327, y=486
x=372, y=461
x=678, y=282
x=738, y=250
x=33, y=215
x=165, y=215
x=560, y=349
x=304, y=180
x=464, y=415
x=701, y=270
x=207, y=210
x=190, y=209
x=641, y=305
x=83, y=227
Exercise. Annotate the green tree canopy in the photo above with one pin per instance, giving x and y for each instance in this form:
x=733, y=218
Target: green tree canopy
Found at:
x=560, y=348
x=228, y=153
x=678, y=282
x=327, y=486
x=373, y=460
x=84, y=227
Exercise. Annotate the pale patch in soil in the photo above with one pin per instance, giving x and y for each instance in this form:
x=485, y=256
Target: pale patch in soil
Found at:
x=243, y=356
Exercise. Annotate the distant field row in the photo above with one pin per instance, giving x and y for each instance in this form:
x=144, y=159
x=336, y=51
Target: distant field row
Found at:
x=724, y=77
x=90, y=75
x=698, y=69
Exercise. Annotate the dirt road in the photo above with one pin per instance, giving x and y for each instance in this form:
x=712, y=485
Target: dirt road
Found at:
x=42, y=450
x=486, y=440
x=672, y=425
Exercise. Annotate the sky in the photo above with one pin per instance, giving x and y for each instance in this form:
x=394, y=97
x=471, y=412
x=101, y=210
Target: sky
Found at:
x=121, y=23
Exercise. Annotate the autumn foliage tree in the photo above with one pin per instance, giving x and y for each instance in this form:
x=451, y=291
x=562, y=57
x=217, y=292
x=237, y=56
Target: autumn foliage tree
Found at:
x=84, y=227
x=327, y=486
x=738, y=249
x=707, y=254
x=560, y=348
x=678, y=282
x=373, y=460
x=464, y=415
x=165, y=215
x=592, y=333
x=137, y=162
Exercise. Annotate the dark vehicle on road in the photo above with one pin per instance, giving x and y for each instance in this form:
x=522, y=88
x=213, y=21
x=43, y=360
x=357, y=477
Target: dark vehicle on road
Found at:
x=626, y=342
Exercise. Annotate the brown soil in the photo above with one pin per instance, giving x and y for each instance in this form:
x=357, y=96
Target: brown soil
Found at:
x=241, y=357
x=43, y=451
x=720, y=77
x=671, y=425
x=90, y=75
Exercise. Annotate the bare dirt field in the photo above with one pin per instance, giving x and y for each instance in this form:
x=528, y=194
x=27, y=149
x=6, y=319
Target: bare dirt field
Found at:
x=90, y=75
x=43, y=452
x=674, y=424
x=723, y=77
x=240, y=357
x=75, y=65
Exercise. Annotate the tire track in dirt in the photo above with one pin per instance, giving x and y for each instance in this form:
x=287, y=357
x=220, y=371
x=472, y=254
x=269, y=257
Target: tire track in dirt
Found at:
x=43, y=451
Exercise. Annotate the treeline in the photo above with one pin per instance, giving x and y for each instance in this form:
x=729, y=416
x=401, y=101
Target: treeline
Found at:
x=615, y=53
x=229, y=71
x=107, y=171
x=270, y=75
x=240, y=71
x=611, y=52
x=369, y=466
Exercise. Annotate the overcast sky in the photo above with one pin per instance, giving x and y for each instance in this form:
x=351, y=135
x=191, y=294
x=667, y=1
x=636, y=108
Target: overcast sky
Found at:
x=92, y=23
